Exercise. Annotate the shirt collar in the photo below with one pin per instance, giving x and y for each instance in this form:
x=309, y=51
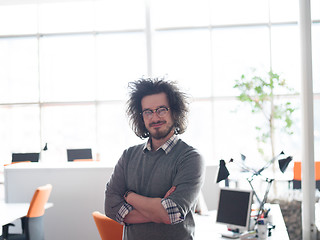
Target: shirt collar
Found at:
x=166, y=147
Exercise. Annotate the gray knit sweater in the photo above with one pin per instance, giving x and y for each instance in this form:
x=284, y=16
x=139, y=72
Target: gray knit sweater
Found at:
x=152, y=174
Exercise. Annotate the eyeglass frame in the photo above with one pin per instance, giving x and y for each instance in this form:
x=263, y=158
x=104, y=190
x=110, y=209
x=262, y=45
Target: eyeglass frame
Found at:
x=155, y=111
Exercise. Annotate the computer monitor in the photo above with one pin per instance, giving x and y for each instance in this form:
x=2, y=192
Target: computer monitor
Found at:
x=83, y=153
x=22, y=157
x=234, y=208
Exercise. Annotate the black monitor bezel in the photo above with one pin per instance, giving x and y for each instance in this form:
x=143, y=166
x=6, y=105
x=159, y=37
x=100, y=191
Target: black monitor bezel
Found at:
x=81, y=153
x=24, y=157
x=233, y=225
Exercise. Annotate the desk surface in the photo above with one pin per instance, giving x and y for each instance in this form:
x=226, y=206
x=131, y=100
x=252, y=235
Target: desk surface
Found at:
x=12, y=211
x=207, y=228
x=60, y=165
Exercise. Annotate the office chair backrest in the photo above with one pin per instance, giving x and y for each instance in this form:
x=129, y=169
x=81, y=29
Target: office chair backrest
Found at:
x=32, y=224
x=297, y=175
x=317, y=170
x=39, y=199
x=297, y=171
x=108, y=228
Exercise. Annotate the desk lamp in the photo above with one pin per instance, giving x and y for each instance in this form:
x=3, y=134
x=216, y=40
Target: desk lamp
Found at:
x=223, y=174
x=42, y=152
x=45, y=147
x=223, y=171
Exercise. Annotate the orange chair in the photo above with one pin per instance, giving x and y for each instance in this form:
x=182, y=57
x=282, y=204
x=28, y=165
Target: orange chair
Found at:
x=108, y=228
x=8, y=164
x=32, y=223
x=297, y=175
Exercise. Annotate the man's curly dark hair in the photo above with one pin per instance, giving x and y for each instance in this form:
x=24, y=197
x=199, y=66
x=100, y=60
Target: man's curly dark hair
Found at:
x=148, y=86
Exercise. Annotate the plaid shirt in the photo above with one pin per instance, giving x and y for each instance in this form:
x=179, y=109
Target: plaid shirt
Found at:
x=166, y=147
x=170, y=206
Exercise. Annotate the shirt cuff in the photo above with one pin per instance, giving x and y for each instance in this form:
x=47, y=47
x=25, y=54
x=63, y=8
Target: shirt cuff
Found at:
x=123, y=212
x=173, y=210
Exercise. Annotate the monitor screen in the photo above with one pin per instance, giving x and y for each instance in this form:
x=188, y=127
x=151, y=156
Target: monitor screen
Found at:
x=84, y=153
x=234, y=208
x=21, y=157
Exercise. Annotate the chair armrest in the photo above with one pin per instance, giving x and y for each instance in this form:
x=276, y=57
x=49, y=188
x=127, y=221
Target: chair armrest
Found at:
x=5, y=230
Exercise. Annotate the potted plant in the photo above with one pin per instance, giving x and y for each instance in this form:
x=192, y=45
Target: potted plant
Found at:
x=260, y=93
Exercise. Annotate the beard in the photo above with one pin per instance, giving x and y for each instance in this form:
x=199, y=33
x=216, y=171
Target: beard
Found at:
x=158, y=134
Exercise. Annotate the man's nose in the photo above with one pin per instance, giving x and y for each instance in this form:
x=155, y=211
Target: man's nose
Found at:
x=155, y=116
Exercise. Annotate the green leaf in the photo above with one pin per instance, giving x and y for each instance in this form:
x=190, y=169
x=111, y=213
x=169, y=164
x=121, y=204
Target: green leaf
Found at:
x=258, y=93
x=244, y=97
x=260, y=150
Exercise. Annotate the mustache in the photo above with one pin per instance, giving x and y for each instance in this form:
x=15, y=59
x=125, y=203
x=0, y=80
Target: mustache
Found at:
x=158, y=122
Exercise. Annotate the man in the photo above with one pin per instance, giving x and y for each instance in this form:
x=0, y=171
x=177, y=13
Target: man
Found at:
x=154, y=188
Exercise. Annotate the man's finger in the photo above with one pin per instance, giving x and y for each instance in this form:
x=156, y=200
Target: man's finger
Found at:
x=171, y=190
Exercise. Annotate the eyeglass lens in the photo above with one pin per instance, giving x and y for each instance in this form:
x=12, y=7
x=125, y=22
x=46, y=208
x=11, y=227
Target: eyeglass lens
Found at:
x=161, y=112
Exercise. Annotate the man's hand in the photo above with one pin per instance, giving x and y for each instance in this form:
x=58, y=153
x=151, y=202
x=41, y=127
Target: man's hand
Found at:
x=147, y=209
x=125, y=196
x=171, y=190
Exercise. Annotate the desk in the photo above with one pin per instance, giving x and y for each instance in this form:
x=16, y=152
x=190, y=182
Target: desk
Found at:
x=207, y=228
x=12, y=211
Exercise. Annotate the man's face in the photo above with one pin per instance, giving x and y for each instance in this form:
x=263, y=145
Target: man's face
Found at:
x=159, y=127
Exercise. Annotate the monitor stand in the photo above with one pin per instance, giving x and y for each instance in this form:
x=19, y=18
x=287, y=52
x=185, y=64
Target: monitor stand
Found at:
x=231, y=233
x=235, y=234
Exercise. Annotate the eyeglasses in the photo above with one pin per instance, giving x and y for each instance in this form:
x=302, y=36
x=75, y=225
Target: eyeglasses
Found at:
x=160, y=111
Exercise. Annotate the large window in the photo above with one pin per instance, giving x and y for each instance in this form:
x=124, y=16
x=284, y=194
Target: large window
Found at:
x=65, y=66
